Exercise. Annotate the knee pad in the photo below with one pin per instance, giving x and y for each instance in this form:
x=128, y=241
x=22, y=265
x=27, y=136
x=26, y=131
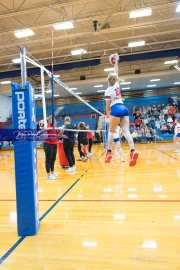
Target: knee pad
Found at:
x=110, y=134
x=126, y=134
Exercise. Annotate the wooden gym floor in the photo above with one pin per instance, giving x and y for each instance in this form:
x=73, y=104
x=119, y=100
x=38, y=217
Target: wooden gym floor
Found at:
x=106, y=216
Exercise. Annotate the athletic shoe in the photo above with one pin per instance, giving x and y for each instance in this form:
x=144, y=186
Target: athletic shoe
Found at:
x=71, y=169
x=85, y=159
x=91, y=154
x=55, y=174
x=108, y=157
x=122, y=158
x=133, y=158
x=80, y=159
x=51, y=177
x=177, y=151
x=74, y=167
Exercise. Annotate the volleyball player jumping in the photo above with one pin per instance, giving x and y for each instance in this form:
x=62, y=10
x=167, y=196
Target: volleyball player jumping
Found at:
x=118, y=113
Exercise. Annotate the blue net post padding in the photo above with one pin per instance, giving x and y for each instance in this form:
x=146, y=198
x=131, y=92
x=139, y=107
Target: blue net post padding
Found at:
x=105, y=134
x=25, y=154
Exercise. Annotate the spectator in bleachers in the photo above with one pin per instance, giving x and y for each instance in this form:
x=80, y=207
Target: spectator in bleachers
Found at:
x=169, y=129
x=159, y=108
x=138, y=122
x=149, y=137
x=148, y=109
x=178, y=103
x=151, y=122
x=144, y=111
x=139, y=136
x=169, y=120
x=63, y=116
x=162, y=121
x=93, y=114
x=167, y=106
x=164, y=129
x=74, y=127
x=170, y=100
x=154, y=109
x=165, y=111
x=172, y=110
x=135, y=136
x=157, y=124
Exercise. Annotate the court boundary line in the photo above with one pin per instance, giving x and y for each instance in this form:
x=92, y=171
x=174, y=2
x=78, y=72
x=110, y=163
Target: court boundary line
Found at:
x=121, y=201
x=19, y=241
x=167, y=154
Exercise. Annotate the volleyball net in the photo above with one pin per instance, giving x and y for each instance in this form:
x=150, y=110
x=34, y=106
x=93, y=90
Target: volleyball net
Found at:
x=57, y=88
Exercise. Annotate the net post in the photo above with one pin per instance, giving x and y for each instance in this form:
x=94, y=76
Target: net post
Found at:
x=23, y=66
x=43, y=98
x=52, y=85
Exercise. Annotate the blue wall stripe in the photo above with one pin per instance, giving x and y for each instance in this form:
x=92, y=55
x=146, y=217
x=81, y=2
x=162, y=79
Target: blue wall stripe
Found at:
x=33, y=71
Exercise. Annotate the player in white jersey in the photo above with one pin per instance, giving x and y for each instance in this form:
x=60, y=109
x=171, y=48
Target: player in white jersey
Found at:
x=116, y=143
x=177, y=135
x=117, y=113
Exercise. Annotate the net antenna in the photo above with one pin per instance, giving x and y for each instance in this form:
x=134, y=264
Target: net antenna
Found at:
x=25, y=59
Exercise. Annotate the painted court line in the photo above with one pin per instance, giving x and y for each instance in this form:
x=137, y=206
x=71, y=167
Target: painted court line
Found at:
x=138, y=201
x=167, y=154
x=41, y=218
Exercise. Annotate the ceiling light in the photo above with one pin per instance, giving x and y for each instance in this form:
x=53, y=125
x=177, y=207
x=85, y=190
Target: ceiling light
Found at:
x=126, y=93
x=151, y=85
x=79, y=93
x=109, y=69
x=140, y=13
x=24, y=33
x=171, y=62
x=136, y=43
x=149, y=90
x=16, y=60
x=5, y=82
x=80, y=51
x=155, y=80
x=96, y=86
x=72, y=89
x=123, y=83
x=63, y=25
x=177, y=83
x=126, y=88
x=178, y=8
x=56, y=95
x=48, y=91
x=57, y=76
x=99, y=91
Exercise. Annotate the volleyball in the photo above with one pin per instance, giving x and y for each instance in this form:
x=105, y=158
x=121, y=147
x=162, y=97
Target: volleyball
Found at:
x=112, y=59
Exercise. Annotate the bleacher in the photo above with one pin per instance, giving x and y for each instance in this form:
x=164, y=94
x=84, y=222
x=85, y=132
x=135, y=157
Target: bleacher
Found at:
x=92, y=122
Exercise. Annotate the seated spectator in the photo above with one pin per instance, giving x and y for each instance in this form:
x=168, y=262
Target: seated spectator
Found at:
x=138, y=122
x=169, y=120
x=169, y=129
x=162, y=106
x=135, y=136
x=157, y=124
x=156, y=114
x=153, y=109
x=168, y=106
x=139, y=136
x=164, y=128
x=178, y=103
x=159, y=108
x=170, y=100
x=149, y=136
x=144, y=111
x=161, y=122
x=151, y=122
x=172, y=110
x=93, y=114
x=165, y=111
